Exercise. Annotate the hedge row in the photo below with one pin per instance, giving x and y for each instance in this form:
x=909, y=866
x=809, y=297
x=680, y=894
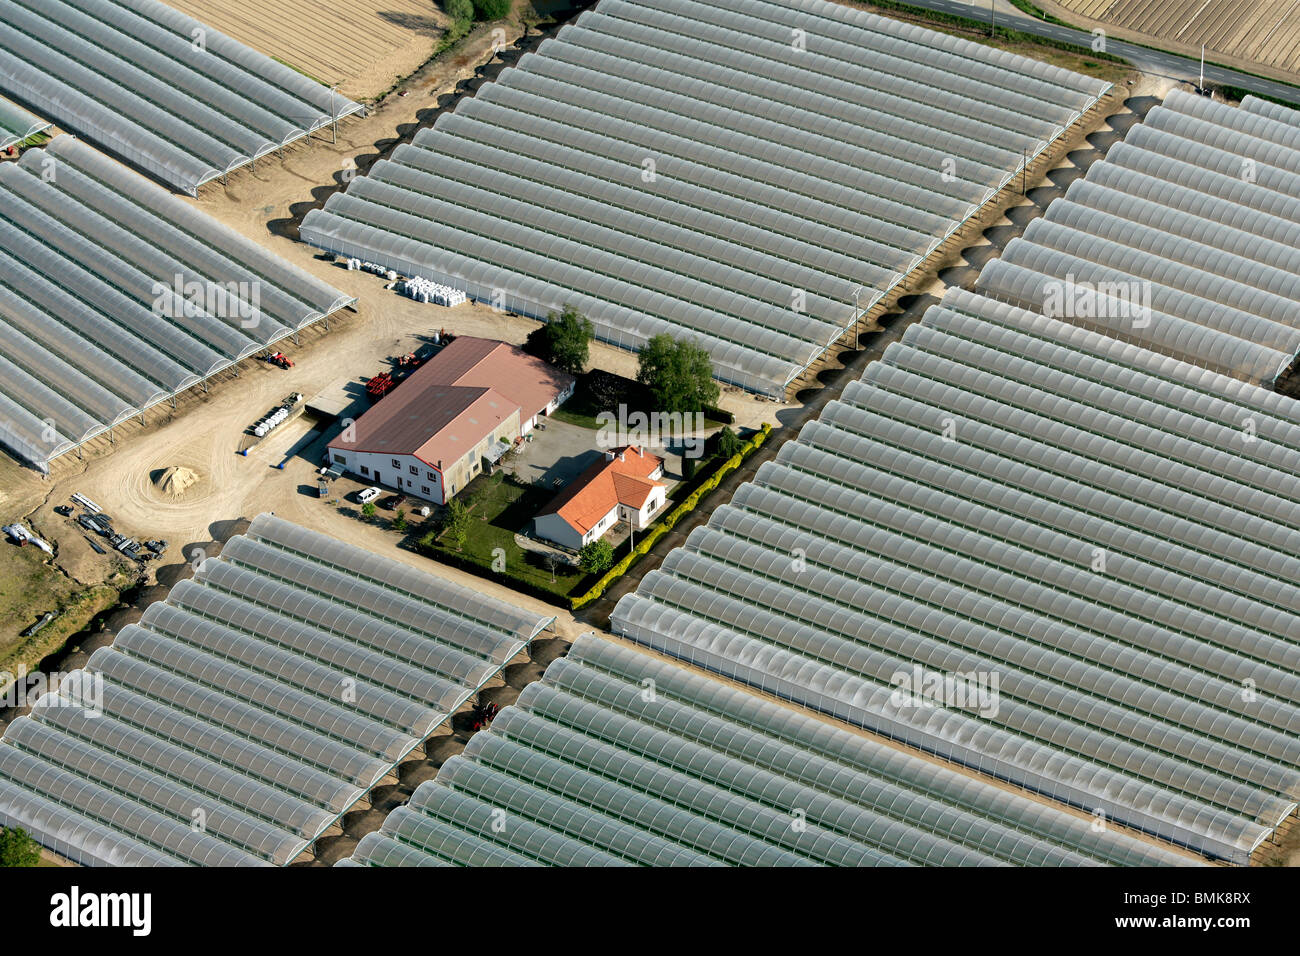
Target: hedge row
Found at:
x=670, y=520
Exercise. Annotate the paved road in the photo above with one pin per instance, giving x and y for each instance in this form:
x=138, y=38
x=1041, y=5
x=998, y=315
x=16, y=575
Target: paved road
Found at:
x=1149, y=61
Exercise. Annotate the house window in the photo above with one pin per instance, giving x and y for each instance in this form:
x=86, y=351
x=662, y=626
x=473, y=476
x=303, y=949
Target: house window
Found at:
x=432, y=476
x=424, y=489
x=365, y=471
x=397, y=464
x=340, y=459
x=413, y=469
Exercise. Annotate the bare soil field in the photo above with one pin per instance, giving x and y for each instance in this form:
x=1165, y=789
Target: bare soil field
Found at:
x=1261, y=36
x=363, y=46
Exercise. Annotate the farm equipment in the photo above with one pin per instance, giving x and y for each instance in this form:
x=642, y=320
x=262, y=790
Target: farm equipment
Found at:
x=484, y=713
x=280, y=359
x=379, y=386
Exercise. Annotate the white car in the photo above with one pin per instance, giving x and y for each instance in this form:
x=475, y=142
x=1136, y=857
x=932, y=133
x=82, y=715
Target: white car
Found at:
x=368, y=495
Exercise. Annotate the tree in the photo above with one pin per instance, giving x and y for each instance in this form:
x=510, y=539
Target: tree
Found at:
x=552, y=561
x=368, y=509
x=596, y=557
x=459, y=11
x=17, y=848
x=564, y=341
x=455, y=524
x=491, y=9
x=678, y=374
x=399, y=520
x=688, y=467
x=728, y=442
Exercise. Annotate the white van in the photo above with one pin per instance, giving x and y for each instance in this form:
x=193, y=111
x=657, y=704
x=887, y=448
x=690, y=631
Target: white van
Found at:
x=368, y=495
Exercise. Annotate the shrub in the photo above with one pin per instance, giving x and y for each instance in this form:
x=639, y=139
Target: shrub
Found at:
x=17, y=848
x=491, y=9
x=459, y=11
x=596, y=556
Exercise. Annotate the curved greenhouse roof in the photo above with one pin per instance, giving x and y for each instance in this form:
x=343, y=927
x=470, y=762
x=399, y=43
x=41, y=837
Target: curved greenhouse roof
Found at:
x=1184, y=239
x=1105, y=536
x=166, y=93
x=618, y=758
x=115, y=295
x=17, y=125
x=241, y=717
x=680, y=167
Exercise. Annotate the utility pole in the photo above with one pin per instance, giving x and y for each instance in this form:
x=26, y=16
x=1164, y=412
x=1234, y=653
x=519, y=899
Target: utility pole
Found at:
x=993, y=19
x=1024, y=171
x=1201, y=85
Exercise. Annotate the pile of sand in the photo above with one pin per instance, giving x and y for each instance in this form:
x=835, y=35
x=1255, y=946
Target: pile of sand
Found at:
x=176, y=481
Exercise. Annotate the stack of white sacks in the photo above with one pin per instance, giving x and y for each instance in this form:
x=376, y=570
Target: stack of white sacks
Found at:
x=426, y=290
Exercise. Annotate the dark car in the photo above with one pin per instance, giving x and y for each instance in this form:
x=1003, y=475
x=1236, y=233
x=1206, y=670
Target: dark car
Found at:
x=392, y=502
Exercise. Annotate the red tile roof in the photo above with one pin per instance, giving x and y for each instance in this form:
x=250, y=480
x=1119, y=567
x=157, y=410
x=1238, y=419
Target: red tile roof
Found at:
x=622, y=480
x=453, y=401
x=524, y=379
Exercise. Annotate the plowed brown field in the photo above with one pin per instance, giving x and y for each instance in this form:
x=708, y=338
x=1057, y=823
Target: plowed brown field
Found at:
x=362, y=45
x=1258, y=35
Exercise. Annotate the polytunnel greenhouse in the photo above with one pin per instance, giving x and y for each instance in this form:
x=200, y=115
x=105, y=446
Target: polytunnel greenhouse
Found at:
x=166, y=93
x=17, y=125
x=1194, y=219
x=615, y=758
x=679, y=167
x=1109, y=535
x=115, y=296
x=240, y=718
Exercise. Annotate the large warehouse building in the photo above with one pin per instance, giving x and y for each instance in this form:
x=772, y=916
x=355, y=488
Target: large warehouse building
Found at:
x=1185, y=239
x=753, y=175
x=156, y=88
x=245, y=714
x=115, y=295
x=453, y=417
x=1106, y=536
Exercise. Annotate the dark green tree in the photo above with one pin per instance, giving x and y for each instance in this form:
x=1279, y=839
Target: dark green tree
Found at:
x=491, y=9
x=728, y=442
x=678, y=374
x=459, y=11
x=399, y=520
x=17, y=848
x=564, y=341
x=596, y=557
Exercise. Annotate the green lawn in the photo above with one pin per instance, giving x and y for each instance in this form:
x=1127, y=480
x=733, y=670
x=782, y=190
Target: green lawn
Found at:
x=500, y=508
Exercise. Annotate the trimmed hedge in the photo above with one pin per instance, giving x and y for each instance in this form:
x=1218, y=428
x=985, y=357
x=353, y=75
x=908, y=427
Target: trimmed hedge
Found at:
x=670, y=520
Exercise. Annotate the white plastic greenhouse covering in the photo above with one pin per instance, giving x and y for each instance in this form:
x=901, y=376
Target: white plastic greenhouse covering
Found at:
x=166, y=93
x=1194, y=219
x=116, y=295
x=1111, y=535
x=617, y=758
x=17, y=125
x=245, y=714
x=676, y=166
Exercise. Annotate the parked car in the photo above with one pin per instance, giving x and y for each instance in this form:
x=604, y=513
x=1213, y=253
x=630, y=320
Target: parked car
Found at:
x=392, y=502
x=368, y=495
